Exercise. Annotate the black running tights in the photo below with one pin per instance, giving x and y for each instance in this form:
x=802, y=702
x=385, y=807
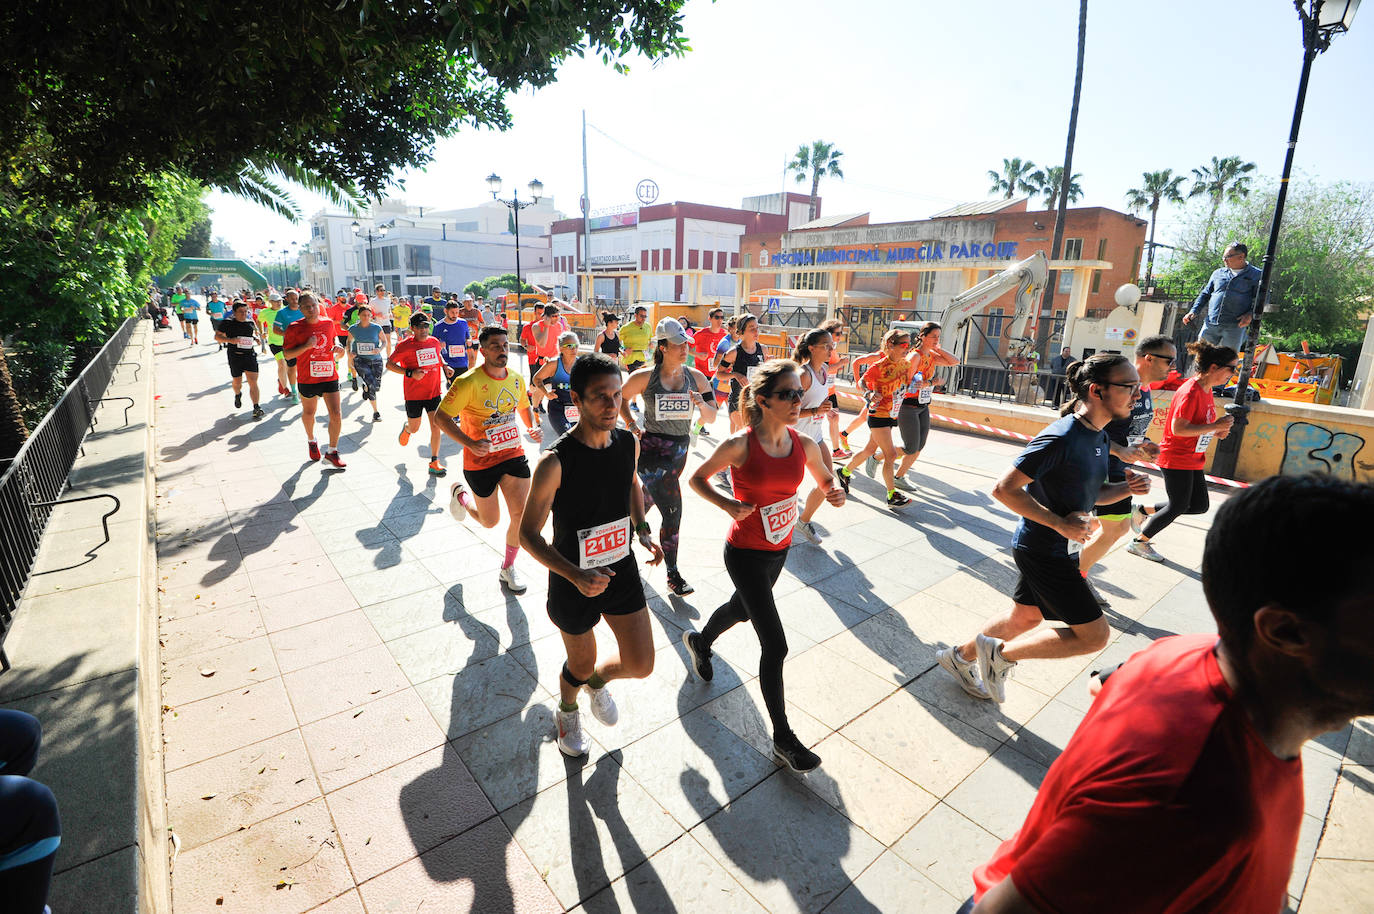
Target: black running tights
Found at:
x=1187, y=494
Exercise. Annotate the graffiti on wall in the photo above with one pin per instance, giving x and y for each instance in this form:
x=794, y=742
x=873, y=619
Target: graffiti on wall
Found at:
x=1312, y=448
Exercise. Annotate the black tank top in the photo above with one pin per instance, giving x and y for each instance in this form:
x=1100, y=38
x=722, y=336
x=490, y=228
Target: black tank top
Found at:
x=611, y=345
x=592, y=500
x=743, y=362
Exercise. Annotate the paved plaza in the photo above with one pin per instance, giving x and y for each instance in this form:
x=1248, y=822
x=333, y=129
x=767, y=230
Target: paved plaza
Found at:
x=358, y=718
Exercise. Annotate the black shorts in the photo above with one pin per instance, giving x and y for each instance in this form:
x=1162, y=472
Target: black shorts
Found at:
x=875, y=422
x=634, y=366
x=834, y=401
x=1053, y=585
x=576, y=614
x=314, y=390
x=238, y=364
x=484, y=482
x=1116, y=472
x=415, y=407
x=274, y=348
x=190, y=319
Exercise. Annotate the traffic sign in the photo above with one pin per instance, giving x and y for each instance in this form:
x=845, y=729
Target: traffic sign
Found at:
x=774, y=305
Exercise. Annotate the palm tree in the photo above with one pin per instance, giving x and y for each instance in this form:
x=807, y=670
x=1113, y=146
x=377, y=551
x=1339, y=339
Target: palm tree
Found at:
x=1156, y=187
x=258, y=180
x=1225, y=179
x=820, y=158
x=1051, y=180
x=1016, y=176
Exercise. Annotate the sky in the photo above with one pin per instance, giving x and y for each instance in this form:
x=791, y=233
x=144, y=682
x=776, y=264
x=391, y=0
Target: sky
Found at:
x=922, y=98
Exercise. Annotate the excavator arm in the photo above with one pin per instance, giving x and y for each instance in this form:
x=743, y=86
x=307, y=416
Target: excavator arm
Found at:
x=1027, y=278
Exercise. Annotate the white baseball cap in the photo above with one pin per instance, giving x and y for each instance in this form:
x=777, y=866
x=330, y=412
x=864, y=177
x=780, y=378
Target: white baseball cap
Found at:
x=671, y=331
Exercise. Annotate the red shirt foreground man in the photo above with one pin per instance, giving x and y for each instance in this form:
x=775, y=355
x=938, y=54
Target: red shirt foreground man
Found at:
x=1182, y=788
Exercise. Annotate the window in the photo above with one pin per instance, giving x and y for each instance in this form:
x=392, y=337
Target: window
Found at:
x=1135, y=261
x=1060, y=316
x=1073, y=248
x=1102, y=249
x=995, y=316
x=417, y=258
x=316, y=230
x=748, y=261
x=389, y=261
x=808, y=280
x=323, y=258
x=925, y=291
x=1097, y=282
x=1065, y=282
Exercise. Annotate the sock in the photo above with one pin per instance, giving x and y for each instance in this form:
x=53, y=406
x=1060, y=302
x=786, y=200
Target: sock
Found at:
x=466, y=498
x=310, y=441
x=596, y=682
x=564, y=706
x=331, y=449
x=891, y=492
x=846, y=472
x=510, y=556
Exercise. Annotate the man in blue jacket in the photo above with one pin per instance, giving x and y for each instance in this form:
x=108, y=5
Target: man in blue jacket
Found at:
x=1230, y=299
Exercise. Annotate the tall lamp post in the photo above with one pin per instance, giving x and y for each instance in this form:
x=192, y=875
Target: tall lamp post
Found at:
x=1321, y=21
x=371, y=257
x=515, y=205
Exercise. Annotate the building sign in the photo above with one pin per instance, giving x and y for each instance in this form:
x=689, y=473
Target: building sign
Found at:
x=613, y=220
x=926, y=253
x=646, y=191
x=604, y=260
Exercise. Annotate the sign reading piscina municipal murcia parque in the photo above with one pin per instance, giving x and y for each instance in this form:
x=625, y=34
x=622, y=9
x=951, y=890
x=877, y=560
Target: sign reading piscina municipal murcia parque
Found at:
x=936, y=250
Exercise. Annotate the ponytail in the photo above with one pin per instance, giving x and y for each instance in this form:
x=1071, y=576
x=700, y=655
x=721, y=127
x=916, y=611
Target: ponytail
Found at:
x=1209, y=355
x=1095, y=369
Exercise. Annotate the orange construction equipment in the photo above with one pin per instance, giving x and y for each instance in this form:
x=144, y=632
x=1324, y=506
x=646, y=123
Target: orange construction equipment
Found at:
x=1304, y=377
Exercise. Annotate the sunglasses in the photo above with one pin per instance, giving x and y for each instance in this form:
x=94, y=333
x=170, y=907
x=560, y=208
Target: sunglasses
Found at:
x=1166, y=359
x=790, y=394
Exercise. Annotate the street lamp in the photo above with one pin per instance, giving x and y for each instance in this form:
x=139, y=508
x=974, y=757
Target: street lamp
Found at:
x=371, y=258
x=515, y=205
x=1321, y=21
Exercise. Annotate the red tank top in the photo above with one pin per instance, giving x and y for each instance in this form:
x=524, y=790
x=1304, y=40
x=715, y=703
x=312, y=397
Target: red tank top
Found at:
x=770, y=484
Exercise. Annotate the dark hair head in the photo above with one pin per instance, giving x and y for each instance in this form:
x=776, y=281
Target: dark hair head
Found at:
x=1239, y=248
x=1253, y=560
x=590, y=365
x=834, y=326
x=802, y=354
x=641, y=310
x=1155, y=345
x=1095, y=369
x=716, y=312
x=929, y=327
x=763, y=383
x=1209, y=355
x=550, y=310
x=608, y=316
x=742, y=322
x=489, y=331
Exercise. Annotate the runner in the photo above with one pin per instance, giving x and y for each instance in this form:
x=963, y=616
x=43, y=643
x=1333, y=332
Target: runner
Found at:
x=435, y=304
x=400, y=320
x=704, y=343
x=739, y=364
x=240, y=336
x=266, y=327
x=485, y=399
x=473, y=315
x=214, y=309
x=286, y=315
x=813, y=355
x=1053, y=486
x=838, y=334
x=587, y=479
x=1154, y=356
x=546, y=332
x=768, y=460
x=913, y=419
x=311, y=341
x=554, y=381
x=636, y=337
x=420, y=358
x=455, y=336
x=1182, y=788
x=608, y=340
x=176, y=298
x=365, y=354
x=884, y=382
x=1189, y=429
x=190, y=318
x=381, y=314
x=671, y=389
x=856, y=371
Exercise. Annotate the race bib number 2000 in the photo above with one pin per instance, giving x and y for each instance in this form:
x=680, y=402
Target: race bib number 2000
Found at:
x=604, y=544
x=778, y=519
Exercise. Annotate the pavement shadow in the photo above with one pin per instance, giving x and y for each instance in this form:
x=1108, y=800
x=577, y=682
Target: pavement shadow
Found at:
x=1360, y=781
x=596, y=797
x=171, y=453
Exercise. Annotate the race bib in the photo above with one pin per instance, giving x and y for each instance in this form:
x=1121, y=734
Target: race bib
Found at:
x=321, y=369
x=243, y=342
x=571, y=413
x=749, y=372
x=1075, y=547
x=502, y=432
x=456, y=350
x=778, y=519
x=604, y=544
x=426, y=358
x=1203, y=442
x=672, y=406
x=365, y=348
x=923, y=396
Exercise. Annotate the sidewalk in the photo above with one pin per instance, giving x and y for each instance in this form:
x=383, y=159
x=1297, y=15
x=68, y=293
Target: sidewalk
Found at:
x=358, y=718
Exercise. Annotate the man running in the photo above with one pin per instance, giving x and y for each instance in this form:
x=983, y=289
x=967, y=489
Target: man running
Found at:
x=381, y=314
x=485, y=401
x=434, y=305
x=704, y=343
x=311, y=343
x=365, y=355
x=190, y=318
x=454, y=335
x=1053, y=485
x=419, y=358
x=240, y=336
x=214, y=309
x=266, y=321
x=636, y=336
x=469, y=312
x=287, y=315
x=587, y=479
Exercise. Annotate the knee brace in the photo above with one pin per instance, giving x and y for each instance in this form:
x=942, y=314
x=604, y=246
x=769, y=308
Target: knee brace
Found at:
x=570, y=679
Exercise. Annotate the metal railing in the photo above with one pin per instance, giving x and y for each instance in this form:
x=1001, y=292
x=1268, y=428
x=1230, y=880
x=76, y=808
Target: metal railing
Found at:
x=37, y=475
x=1025, y=388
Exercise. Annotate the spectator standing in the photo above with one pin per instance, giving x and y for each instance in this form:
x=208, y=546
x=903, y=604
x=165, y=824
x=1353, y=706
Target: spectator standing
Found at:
x=1229, y=298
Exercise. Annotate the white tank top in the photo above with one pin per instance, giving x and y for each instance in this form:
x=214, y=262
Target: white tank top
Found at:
x=814, y=426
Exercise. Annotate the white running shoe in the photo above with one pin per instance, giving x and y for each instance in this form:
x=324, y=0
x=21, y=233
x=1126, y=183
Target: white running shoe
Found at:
x=511, y=578
x=572, y=742
x=1138, y=516
x=808, y=530
x=455, y=504
x=1144, y=550
x=965, y=672
x=871, y=466
x=905, y=485
x=603, y=706
x=994, y=668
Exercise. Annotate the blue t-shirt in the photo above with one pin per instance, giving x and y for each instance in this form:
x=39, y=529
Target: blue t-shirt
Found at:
x=1120, y=431
x=721, y=348
x=365, y=342
x=215, y=308
x=454, y=338
x=1067, y=464
x=286, y=317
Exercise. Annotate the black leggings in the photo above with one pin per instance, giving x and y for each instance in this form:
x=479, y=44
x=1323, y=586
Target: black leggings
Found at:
x=661, y=460
x=1187, y=494
x=30, y=832
x=754, y=572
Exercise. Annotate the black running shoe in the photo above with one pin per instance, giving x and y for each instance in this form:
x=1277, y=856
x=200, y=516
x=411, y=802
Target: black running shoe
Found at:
x=678, y=586
x=238, y=401
x=897, y=500
x=843, y=480
x=791, y=752
x=699, y=654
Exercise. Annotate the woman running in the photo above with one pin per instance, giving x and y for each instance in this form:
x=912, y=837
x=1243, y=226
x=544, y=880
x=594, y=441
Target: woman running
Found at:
x=671, y=390
x=608, y=340
x=856, y=371
x=738, y=365
x=913, y=419
x=813, y=355
x=884, y=380
x=1189, y=428
x=838, y=333
x=553, y=380
x=767, y=462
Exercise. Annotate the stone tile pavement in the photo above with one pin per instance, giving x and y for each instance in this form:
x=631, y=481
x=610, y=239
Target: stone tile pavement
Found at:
x=358, y=718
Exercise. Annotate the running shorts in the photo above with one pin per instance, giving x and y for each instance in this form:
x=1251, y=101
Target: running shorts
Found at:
x=415, y=407
x=239, y=363
x=484, y=482
x=314, y=390
x=576, y=614
x=834, y=401
x=876, y=422
x=1053, y=585
x=1117, y=510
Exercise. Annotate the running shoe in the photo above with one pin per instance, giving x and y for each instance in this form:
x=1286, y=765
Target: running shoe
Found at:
x=994, y=668
x=257, y=412
x=295, y=398
x=840, y=453
x=572, y=742
x=905, y=485
x=842, y=475
x=238, y=401
x=334, y=458
x=1097, y=594
x=313, y=449
x=723, y=479
x=808, y=530
x=699, y=655
x=511, y=578
x=376, y=417
x=1138, y=516
x=603, y=706
x=455, y=503
x=1144, y=550
x=791, y=752
x=897, y=500
x=679, y=586
x=871, y=466
x=437, y=469
x=965, y=672
x=404, y=437
x=702, y=430
x=354, y=382
x=844, y=441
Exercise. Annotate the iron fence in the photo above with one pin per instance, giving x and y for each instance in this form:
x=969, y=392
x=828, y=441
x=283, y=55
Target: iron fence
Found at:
x=37, y=474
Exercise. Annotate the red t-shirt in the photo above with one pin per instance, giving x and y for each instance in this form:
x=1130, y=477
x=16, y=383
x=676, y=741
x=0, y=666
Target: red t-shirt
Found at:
x=527, y=340
x=335, y=313
x=315, y=365
x=1187, y=452
x=1165, y=800
x=427, y=355
x=770, y=484
x=705, y=341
